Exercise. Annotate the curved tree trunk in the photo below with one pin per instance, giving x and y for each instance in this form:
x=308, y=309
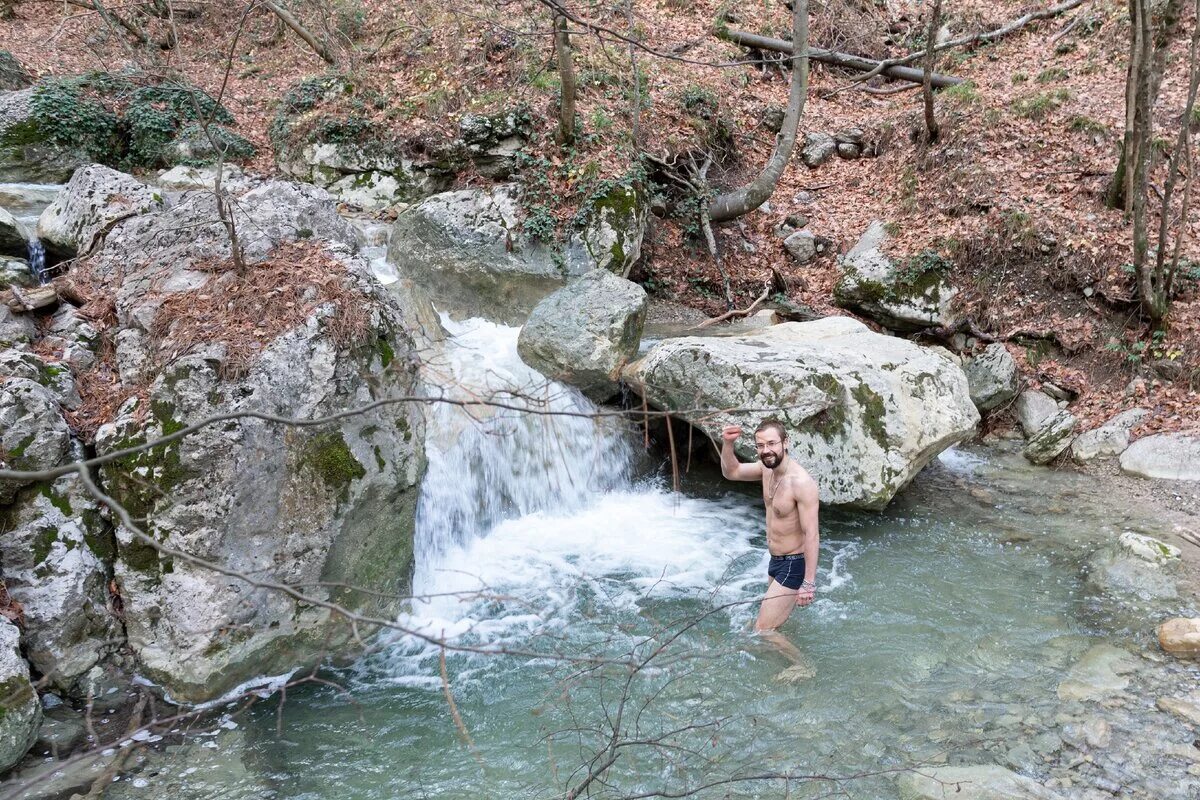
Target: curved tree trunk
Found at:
x=749, y=197
x=289, y=19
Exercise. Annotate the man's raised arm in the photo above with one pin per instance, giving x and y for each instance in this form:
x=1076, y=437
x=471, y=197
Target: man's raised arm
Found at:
x=731, y=468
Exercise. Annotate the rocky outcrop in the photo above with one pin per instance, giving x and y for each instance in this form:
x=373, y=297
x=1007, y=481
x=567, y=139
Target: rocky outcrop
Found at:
x=1180, y=637
x=1167, y=456
x=53, y=557
x=908, y=297
x=993, y=377
x=20, y=711
x=15, y=329
x=865, y=412
x=27, y=155
x=92, y=201
x=469, y=250
x=1110, y=439
x=15, y=272
x=982, y=782
x=613, y=223
x=584, y=333
x=492, y=141
x=817, y=149
x=318, y=507
x=33, y=434
x=371, y=175
x=55, y=377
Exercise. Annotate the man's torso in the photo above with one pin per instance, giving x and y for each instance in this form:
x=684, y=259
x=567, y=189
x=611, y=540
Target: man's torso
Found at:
x=785, y=534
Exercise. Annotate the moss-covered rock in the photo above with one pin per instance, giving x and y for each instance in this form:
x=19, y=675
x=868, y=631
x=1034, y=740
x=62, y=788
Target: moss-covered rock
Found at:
x=323, y=134
x=121, y=120
x=610, y=227
x=907, y=296
x=20, y=711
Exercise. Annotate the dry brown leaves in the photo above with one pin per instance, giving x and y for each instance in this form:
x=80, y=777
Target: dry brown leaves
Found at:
x=245, y=310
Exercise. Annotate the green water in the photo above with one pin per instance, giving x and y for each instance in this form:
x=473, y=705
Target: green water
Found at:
x=941, y=632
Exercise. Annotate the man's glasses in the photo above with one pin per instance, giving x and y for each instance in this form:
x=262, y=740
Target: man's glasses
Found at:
x=766, y=445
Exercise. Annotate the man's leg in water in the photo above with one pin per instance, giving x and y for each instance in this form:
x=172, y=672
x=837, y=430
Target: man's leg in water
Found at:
x=776, y=607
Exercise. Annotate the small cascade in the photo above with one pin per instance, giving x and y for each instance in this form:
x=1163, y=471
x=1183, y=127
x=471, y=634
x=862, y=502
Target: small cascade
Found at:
x=489, y=464
x=37, y=259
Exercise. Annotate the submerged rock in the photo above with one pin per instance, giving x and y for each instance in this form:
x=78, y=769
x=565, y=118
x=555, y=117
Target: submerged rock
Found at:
x=911, y=297
x=1167, y=456
x=53, y=556
x=983, y=782
x=584, y=333
x=865, y=412
x=1100, y=673
x=20, y=711
x=993, y=377
x=469, y=249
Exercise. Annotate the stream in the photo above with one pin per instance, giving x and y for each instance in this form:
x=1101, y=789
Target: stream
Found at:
x=955, y=628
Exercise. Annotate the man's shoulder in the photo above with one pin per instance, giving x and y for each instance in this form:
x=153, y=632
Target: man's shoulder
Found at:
x=801, y=480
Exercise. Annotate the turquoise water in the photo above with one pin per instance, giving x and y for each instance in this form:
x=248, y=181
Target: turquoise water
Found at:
x=960, y=606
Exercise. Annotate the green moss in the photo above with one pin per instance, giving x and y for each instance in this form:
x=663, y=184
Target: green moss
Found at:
x=43, y=542
x=386, y=353
x=61, y=502
x=14, y=693
x=330, y=457
x=22, y=446
x=873, y=413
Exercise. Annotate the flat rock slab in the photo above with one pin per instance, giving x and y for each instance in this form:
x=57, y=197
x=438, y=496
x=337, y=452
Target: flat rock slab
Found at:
x=1166, y=456
x=983, y=782
x=1100, y=673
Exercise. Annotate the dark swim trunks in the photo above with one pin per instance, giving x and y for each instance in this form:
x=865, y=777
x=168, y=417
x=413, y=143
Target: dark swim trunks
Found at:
x=788, y=571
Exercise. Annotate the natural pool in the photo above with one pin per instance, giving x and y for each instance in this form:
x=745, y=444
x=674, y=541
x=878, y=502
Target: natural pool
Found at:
x=943, y=630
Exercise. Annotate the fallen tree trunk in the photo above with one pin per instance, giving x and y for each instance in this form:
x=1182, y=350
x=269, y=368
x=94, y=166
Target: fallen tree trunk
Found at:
x=22, y=300
x=937, y=80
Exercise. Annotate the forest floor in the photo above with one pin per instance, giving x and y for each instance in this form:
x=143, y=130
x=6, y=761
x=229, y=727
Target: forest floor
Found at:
x=1011, y=194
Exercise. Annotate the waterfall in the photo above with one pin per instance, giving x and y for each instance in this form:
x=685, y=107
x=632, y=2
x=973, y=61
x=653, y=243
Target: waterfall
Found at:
x=487, y=464
x=37, y=258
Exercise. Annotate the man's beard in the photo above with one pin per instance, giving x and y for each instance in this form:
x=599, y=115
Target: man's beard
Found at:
x=770, y=460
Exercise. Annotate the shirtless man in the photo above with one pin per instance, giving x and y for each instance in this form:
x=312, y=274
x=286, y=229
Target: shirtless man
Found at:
x=791, y=498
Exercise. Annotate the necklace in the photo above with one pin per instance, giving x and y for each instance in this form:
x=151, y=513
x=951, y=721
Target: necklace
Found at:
x=774, y=485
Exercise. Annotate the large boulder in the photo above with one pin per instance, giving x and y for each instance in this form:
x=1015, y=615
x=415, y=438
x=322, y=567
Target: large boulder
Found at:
x=93, y=200
x=1167, y=456
x=16, y=329
x=1110, y=439
x=20, y=711
x=613, y=224
x=903, y=297
x=371, y=175
x=52, y=554
x=15, y=272
x=320, y=507
x=33, y=434
x=584, y=333
x=27, y=154
x=981, y=782
x=469, y=250
x=492, y=141
x=864, y=411
x=993, y=377
x=55, y=377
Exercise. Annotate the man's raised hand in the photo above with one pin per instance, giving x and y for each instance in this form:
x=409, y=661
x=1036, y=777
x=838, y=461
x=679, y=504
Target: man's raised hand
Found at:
x=730, y=433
